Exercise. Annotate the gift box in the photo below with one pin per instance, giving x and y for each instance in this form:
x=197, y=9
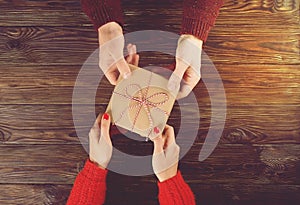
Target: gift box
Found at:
x=141, y=103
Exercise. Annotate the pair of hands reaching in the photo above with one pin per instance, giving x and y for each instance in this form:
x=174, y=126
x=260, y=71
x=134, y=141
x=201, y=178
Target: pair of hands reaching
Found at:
x=113, y=64
x=165, y=155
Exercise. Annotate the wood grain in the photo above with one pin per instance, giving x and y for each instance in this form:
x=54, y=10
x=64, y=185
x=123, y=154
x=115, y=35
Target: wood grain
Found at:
x=26, y=45
x=276, y=85
x=207, y=194
x=13, y=194
x=54, y=123
x=255, y=48
x=59, y=164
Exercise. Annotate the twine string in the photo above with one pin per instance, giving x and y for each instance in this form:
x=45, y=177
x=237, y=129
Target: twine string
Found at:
x=143, y=101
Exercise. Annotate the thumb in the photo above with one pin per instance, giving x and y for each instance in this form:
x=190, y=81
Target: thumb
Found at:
x=116, y=51
x=158, y=145
x=184, y=91
x=105, y=126
x=123, y=68
x=177, y=75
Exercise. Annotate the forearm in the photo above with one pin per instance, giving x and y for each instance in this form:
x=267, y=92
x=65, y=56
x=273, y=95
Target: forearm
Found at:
x=89, y=186
x=101, y=12
x=175, y=191
x=199, y=17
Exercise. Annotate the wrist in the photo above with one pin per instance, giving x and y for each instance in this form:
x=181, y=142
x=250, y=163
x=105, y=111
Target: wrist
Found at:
x=192, y=38
x=168, y=174
x=96, y=163
x=110, y=27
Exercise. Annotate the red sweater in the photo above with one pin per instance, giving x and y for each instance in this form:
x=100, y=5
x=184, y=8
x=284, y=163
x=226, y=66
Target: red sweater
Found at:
x=90, y=188
x=199, y=16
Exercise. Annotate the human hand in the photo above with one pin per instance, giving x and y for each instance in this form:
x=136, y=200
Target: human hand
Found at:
x=111, y=59
x=100, y=142
x=188, y=63
x=165, y=155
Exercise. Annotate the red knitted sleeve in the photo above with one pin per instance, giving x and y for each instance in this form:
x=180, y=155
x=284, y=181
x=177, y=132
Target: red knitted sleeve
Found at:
x=175, y=191
x=199, y=17
x=101, y=12
x=89, y=186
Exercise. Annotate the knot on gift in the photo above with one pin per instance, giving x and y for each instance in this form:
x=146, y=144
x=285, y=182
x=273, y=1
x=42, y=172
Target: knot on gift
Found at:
x=140, y=102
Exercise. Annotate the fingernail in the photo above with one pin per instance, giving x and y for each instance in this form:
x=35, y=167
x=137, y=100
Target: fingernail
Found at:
x=126, y=75
x=156, y=130
x=106, y=116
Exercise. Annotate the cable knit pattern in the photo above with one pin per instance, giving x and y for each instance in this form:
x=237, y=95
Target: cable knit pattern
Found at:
x=175, y=191
x=101, y=12
x=89, y=187
x=199, y=16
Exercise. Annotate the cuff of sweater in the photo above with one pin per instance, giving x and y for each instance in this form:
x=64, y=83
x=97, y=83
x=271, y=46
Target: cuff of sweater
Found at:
x=100, y=14
x=94, y=173
x=197, y=28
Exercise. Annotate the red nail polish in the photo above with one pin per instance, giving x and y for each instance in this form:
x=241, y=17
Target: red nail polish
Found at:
x=106, y=116
x=156, y=130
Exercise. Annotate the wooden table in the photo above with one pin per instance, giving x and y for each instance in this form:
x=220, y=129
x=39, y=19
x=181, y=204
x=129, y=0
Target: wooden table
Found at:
x=255, y=48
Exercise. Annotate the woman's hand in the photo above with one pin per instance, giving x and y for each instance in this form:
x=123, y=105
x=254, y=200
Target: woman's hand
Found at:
x=111, y=59
x=100, y=142
x=188, y=63
x=165, y=155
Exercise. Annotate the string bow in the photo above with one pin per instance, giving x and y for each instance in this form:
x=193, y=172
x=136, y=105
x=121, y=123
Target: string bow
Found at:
x=141, y=101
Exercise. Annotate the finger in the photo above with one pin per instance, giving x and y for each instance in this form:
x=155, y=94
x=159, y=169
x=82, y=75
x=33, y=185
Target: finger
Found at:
x=132, y=57
x=112, y=76
x=132, y=50
x=123, y=68
x=130, y=53
x=169, y=136
x=190, y=80
x=115, y=49
x=135, y=60
x=97, y=122
x=184, y=91
x=105, y=126
x=135, y=56
x=109, y=68
x=175, y=79
x=94, y=133
x=158, y=145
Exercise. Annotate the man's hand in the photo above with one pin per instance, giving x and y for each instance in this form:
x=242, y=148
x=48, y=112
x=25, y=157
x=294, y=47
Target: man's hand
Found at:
x=165, y=155
x=111, y=59
x=100, y=142
x=188, y=63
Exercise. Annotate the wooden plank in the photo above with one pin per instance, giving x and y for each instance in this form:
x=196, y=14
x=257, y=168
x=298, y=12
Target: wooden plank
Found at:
x=41, y=164
x=132, y=193
x=54, y=123
x=12, y=194
x=46, y=45
x=234, y=96
x=242, y=164
x=244, y=85
x=62, y=46
x=255, y=76
x=246, y=195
